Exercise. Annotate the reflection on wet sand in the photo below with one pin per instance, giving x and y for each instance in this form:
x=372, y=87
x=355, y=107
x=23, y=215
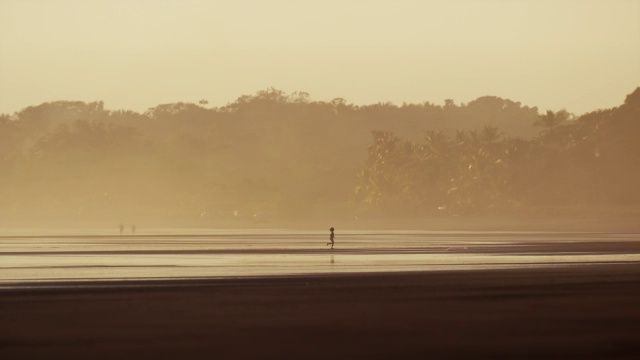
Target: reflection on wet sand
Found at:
x=37, y=258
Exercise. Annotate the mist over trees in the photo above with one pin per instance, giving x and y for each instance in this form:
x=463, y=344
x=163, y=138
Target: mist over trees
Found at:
x=273, y=156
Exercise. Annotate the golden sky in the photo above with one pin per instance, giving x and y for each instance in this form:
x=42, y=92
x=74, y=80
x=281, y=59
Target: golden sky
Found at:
x=575, y=54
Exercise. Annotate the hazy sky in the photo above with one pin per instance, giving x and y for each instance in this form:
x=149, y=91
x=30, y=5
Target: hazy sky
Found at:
x=580, y=55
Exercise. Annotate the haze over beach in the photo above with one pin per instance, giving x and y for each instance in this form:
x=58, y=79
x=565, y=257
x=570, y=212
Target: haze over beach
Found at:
x=319, y=179
x=577, y=55
x=204, y=111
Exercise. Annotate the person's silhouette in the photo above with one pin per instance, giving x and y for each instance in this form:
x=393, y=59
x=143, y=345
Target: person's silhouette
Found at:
x=121, y=229
x=133, y=229
x=331, y=237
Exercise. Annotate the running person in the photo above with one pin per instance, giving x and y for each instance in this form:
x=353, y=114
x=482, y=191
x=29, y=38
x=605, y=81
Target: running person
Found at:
x=331, y=237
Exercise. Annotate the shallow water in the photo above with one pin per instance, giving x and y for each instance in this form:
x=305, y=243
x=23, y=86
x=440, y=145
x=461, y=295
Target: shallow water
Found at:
x=28, y=256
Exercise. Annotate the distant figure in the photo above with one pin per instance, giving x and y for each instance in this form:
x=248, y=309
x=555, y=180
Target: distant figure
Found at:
x=133, y=229
x=121, y=229
x=331, y=237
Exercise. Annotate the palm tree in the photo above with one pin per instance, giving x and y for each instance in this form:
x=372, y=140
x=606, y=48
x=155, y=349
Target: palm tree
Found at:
x=550, y=121
x=490, y=134
x=436, y=143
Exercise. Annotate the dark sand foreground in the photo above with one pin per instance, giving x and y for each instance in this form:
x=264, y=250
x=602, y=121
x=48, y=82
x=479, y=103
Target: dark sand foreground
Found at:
x=590, y=311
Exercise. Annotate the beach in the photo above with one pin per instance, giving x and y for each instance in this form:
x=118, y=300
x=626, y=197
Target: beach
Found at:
x=586, y=308
x=570, y=312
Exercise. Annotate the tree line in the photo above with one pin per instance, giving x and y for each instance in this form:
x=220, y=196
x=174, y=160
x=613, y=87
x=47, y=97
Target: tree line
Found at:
x=589, y=162
x=273, y=155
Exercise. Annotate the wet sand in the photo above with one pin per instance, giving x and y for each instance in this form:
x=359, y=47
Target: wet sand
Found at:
x=571, y=311
x=173, y=255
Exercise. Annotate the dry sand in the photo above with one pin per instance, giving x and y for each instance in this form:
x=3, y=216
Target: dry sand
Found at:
x=580, y=311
